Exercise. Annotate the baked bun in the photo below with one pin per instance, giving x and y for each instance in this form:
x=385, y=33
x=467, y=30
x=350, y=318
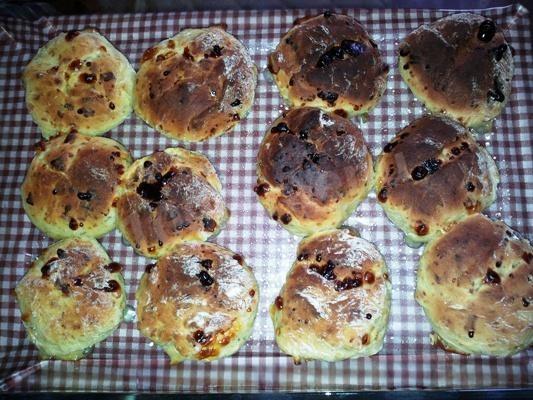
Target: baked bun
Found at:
x=195, y=85
x=461, y=66
x=80, y=82
x=313, y=170
x=169, y=197
x=475, y=284
x=71, y=298
x=432, y=174
x=71, y=184
x=336, y=300
x=329, y=61
x=198, y=302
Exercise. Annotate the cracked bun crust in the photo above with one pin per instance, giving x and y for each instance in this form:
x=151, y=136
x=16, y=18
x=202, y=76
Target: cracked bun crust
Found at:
x=80, y=82
x=475, y=284
x=198, y=302
x=336, y=299
x=432, y=174
x=313, y=170
x=459, y=65
x=196, y=85
x=71, y=185
x=329, y=61
x=169, y=197
x=71, y=298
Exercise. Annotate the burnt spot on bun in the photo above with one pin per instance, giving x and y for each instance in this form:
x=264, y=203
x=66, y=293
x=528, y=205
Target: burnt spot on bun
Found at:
x=330, y=58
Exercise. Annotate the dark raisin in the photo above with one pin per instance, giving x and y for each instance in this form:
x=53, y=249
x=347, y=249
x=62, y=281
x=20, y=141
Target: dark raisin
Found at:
x=525, y=302
x=486, y=31
x=85, y=196
x=279, y=302
x=201, y=337
x=236, y=103
x=421, y=229
x=286, y=218
x=29, y=199
x=318, y=257
x=348, y=283
x=492, y=277
x=107, y=76
x=456, y=151
x=314, y=157
x=251, y=293
x=327, y=14
x=209, y=224
x=73, y=224
x=389, y=146
x=306, y=164
x=368, y=316
x=470, y=186
x=364, y=339
x=187, y=54
x=470, y=334
x=149, y=268
x=112, y=286
x=352, y=47
x=61, y=253
x=330, y=97
x=279, y=128
x=404, y=51
x=304, y=134
x=432, y=165
x=58, y=164
x=369, y=277
x=495, y=94
x=113, y=267
x=499, y=51
x=111, y=105
x=205, y=278
x=71, y=35
x=382, y=195
x=45, y=269
x=261, y=189
x=275, y=216
x=498, y=264
x=88, y=78
x=238, y=258
x=207, y=264
x=78, y=281
x=216, y=52
x=527, y=257
x=406, y=66
x=302, y=256
x=147, y=164
x=75, y=65
x=419, y=173
x=182, y=226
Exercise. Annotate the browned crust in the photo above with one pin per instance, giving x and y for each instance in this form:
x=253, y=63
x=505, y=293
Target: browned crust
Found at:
x=485, y=267
x=319, y=161
x=71, y=182
x=193, y=281
x=432, y=171
x=198, y=91
x=164, y=200
x=454, y=70
x=358, y=80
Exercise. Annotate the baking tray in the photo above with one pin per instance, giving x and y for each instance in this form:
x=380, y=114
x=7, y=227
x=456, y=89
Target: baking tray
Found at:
x=127, y=362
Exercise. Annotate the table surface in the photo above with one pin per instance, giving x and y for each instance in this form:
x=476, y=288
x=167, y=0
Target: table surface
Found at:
x=128, y=362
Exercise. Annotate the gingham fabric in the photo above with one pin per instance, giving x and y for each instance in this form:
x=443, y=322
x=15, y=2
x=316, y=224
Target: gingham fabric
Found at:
x=128, y=362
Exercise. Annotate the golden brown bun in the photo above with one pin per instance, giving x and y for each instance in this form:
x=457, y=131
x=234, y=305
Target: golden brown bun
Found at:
x=71, y=298
x=71, y=184
x=432, y=174
x=329, y=61
x=475, y=284
x=313, y=170
x=461, y=66
x=198, y=302
x=195, y=85
x=336, y=300
x=169, y=197
x=79, y=82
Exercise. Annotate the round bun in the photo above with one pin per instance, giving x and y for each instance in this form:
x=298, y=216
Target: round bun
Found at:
x=460, y=65
x=313, y=170
x=195, y=85
x=71, y=185
x=79, y=82
x=432, y=174
x=169, y=197
x=71, y=298
x=198, y=302
x=475, y=285
x=329, y=61
x=336, y=300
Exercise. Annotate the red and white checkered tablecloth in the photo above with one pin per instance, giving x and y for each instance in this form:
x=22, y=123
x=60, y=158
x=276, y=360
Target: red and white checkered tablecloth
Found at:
x=128, y=362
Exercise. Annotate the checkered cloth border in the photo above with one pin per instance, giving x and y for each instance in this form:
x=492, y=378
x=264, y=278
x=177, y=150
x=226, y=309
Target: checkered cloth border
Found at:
x=128, y=362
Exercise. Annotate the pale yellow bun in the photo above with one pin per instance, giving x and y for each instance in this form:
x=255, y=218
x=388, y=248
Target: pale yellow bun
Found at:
x=79, y=82
x=329, y=61
x=335, y=302
x=475, y=284
x=198, y=302
x=196, y=85
x=313, y=170
x=71, y=185
x=170, y=197
x=460, y=66
x=71, y=298
x=432, y=174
